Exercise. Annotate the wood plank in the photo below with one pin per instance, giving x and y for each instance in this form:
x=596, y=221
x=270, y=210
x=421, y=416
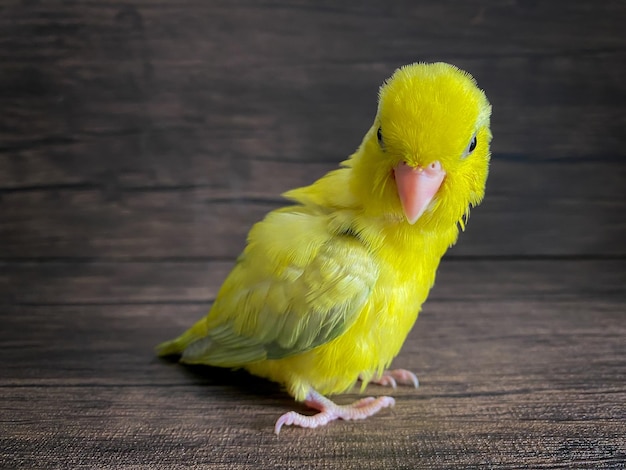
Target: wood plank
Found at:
x=230, y=158
x=129, y=105
x=64, y=283
x=187, y=427
x=546, y=209
x=532, y=381
x=187, y=19
x=571, y=108
x=234, y=129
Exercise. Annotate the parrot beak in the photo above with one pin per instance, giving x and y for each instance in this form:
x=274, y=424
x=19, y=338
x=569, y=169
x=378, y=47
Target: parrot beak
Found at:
x=417, y=187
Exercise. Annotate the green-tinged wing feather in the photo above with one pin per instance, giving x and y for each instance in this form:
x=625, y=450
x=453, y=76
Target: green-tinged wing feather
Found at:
x=274, y=304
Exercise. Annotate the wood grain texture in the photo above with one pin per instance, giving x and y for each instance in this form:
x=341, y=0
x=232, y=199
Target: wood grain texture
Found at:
x=540, y=209
x=140, y=140
x=530, y=379
x=176, y=116
x=70, y=283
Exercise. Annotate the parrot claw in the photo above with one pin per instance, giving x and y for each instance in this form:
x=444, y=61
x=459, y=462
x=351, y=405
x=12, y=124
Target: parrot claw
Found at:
x=330, y=411
x=393, y=377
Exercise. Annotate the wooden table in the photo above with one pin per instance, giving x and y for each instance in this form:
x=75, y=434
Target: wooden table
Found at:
x=140, y=140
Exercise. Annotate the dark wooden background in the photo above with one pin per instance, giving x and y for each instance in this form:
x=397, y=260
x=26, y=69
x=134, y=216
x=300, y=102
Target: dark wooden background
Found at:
x=139, y=140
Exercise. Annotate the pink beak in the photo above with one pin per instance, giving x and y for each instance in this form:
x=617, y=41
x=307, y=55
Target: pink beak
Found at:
x=417, y=187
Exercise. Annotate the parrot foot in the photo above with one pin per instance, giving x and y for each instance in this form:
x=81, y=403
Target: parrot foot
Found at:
x=397, y=376
x=330, y=411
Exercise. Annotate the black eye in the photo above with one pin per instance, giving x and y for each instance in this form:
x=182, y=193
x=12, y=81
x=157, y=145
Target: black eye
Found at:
x=470, y=148
x=379, y=134
x=472, y=145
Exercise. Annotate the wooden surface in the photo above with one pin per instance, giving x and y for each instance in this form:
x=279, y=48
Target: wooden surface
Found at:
x=139, y=140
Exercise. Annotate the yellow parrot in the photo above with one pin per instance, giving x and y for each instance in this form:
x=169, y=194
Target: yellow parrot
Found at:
x=327, y=289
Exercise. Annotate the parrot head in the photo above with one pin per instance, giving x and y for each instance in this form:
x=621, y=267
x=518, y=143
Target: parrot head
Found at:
x=425, y=159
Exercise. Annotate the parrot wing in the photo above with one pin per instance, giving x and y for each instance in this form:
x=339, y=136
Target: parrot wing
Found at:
x=286, y=297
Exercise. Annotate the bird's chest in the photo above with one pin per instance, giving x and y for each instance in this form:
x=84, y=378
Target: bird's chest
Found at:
x=389, y=316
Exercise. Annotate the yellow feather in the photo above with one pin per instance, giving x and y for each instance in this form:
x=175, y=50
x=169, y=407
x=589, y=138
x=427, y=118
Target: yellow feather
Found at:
x=327, y=289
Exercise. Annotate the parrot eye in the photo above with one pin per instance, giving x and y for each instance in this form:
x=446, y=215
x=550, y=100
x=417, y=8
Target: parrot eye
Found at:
x=470, y=147
x=379, y=135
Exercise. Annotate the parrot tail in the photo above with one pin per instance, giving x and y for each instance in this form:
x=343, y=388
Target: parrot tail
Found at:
x=177, y=346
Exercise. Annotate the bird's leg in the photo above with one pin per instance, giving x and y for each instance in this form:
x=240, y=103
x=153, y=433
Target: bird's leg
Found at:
x=330, y=411
x=397, y=376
